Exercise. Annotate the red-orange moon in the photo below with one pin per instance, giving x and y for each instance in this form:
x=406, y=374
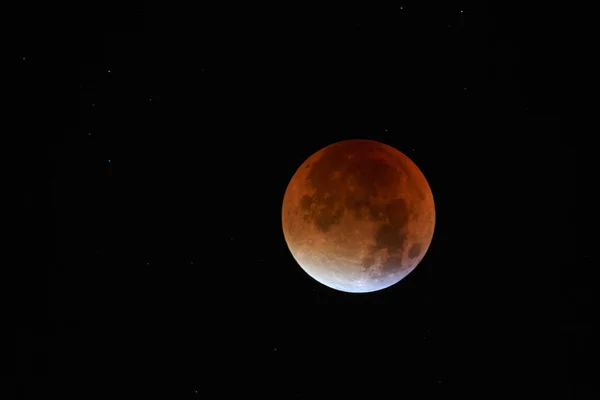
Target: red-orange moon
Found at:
x=358, y=216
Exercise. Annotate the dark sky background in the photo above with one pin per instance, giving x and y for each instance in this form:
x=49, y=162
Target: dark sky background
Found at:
x=156, y=144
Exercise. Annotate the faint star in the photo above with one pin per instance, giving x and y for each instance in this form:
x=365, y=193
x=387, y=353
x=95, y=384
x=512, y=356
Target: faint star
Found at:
x=402, y=8
x=23, y=58
x=93, y=105
x=147, y=263
x=386, y=130
x=462, y=12
x=89, y=133
x=150, y=99
x=109, y=71
x=109, y=161
x=191, y=262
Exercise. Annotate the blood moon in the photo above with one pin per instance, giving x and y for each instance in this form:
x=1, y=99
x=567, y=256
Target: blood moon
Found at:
x=358, y=216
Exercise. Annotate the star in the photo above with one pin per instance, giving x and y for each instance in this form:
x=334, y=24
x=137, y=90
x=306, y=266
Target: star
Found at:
x=109, y=161
x=23, y=58
x=93, y=105
x=462, y=12
x=109, y=71
x=402, y=8
x=89, y=133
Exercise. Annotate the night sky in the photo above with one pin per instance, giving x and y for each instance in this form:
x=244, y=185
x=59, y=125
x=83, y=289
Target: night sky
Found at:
x=155, y=146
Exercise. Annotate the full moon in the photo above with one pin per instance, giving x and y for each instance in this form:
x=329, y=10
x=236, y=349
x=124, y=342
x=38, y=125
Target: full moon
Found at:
x=358, y=216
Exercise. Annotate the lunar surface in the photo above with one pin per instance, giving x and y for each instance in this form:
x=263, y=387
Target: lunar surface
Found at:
x=358, y=216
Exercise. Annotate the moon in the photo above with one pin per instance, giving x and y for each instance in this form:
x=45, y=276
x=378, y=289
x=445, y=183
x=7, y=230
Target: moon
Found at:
x=358, y=216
